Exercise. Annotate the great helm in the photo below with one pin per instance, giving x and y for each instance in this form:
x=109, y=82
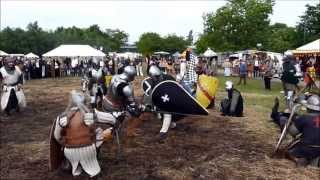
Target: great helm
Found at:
x=313, y=103
x=9, y=62
x=130, y=72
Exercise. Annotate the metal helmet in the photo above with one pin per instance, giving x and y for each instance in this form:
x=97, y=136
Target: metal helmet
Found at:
x=154, y=72
x=313, y=103
x=9, y=62
x=129, y=72
x=229, y=85
x=77, y=97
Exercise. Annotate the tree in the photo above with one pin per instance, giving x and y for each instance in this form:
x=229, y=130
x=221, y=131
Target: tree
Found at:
x=173, y=43
x=281, y=38
x=149, y=42
x=240, y=24
x=309, y=26
x=35, y=39
x=190, y=38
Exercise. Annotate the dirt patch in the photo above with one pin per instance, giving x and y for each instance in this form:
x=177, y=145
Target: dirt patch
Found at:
x=205, y=147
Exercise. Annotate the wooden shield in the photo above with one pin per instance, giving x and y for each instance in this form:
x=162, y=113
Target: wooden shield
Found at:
x=56, y=151
x=206, y=89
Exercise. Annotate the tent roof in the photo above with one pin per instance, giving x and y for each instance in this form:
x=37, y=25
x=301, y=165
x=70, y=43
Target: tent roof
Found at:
x=176, y=54
x=2, y=53
x=74, y=50
x=161, y=53
x=209, y=53
x=31, y=55
x=312, y=47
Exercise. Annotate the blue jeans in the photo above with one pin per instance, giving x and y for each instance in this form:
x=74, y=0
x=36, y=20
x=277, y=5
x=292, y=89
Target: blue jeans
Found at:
x=189, y=88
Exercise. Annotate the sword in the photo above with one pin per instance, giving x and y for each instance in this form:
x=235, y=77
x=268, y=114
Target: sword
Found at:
x=285, y=129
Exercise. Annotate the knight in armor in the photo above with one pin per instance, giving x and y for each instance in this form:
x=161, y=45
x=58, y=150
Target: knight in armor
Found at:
x=75, y=131
x=156, y=77
x=306, y=131
x=96, y=83
x=233, y=105
x=289, y=78
x=11, y=80
x=120, y=95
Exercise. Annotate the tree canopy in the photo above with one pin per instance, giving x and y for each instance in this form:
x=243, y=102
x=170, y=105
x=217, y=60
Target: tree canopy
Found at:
x=242, y=24
x=35, y=39
x=150, y=42
x=308, y=28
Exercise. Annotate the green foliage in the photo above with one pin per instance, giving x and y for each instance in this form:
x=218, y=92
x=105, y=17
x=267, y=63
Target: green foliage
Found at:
x=281, y=38
x=151, y=42
x=36, y=40
x=173, y=43
x=190, y=38
x=309, y=26
x=240, y=24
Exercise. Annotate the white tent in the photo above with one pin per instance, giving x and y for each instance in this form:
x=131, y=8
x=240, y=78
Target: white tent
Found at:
x=176, y=54
x=74, y=51
x=161, y=53
x=16, y=55
x=2, y=53
x=31, y=55
x=209, y=53
x=128, y=55
x=312, y=47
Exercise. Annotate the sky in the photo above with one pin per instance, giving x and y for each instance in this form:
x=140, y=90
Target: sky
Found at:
x=134, y=17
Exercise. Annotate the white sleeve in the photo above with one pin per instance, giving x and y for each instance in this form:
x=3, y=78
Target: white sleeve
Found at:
x=104, y=117
x=183, y=69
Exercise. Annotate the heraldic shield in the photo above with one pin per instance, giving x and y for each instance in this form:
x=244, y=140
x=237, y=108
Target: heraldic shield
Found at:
x=56, y=154
x=206, y=89
x=169, y=96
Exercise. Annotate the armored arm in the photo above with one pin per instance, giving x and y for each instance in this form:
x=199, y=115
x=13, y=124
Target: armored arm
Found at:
x=60, y=123
x=132, y=106
x=104, y=117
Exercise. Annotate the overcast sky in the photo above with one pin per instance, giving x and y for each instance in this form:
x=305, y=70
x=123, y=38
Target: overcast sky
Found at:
x=134, y=17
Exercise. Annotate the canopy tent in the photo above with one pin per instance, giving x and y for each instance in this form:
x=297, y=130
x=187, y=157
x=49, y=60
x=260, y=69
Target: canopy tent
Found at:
x=2, y=53
x=161, y=53
x=310, y=48
x=74, y=51
x=209, y=53
x=16, y=55
x=128, y=55
x=176, y=54
x=31, y=55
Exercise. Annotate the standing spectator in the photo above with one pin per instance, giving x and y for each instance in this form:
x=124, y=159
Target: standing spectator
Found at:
x=227, y=67
x=236, y=67
x=74, y=66
x=138, y=64
x=163, y=65
x=43, y=68
x=242, y=72
x=170, y=66
x=268, y=75
x=176, y=65
x=38, y=69
x=250, y=69
x=190, y=78
x=256, y=67
x=56, y=68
